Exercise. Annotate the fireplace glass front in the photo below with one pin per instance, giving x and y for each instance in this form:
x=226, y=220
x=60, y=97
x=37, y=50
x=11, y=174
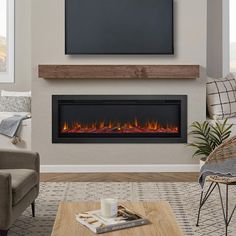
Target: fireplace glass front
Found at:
x=119, y=119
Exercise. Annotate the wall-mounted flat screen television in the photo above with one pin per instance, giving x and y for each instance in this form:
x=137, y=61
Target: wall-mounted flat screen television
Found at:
x=119, y=27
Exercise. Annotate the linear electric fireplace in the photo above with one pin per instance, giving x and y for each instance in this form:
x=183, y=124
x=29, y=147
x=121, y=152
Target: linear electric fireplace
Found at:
x=119, y=119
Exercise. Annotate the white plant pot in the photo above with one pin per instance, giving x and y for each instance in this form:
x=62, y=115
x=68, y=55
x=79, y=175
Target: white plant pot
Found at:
x=202, y=162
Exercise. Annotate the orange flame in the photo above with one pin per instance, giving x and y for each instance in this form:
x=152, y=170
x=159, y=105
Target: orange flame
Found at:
x=65, y=127
x=118, y=127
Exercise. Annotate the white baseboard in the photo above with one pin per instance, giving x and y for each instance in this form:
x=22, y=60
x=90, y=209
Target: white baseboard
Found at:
x=117, y=168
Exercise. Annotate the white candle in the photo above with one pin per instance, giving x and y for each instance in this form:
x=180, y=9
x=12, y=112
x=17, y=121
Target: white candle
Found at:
x=109, y=207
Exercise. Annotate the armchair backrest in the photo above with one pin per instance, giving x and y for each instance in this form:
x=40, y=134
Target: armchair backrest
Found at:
x=224, y=151
x=12, y=159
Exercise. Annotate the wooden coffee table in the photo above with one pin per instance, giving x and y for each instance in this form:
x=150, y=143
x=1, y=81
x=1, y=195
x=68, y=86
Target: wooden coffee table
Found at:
x=159, y=213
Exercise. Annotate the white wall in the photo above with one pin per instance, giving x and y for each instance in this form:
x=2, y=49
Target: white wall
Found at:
x=48, y=48
x=217, y=38
x=214, y=38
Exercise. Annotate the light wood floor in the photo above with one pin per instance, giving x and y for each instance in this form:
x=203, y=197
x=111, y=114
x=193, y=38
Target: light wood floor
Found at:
x=120, y=177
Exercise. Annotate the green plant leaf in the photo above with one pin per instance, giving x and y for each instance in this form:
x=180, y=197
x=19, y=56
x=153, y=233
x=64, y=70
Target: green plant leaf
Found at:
x=208, y=136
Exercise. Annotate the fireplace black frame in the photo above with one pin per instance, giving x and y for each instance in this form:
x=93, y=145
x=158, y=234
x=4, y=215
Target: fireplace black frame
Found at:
x=182, y=99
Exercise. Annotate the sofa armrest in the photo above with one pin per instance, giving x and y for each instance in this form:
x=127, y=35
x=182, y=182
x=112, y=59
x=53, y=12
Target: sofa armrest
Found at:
x=10, y=159
x=5, y=200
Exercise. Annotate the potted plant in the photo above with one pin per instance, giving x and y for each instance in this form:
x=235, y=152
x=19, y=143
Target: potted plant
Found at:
x=207, y=137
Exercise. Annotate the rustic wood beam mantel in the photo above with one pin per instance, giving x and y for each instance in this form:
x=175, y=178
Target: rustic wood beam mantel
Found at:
x=119, y=71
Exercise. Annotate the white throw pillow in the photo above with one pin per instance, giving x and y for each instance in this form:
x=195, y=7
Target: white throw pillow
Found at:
x=221, y=97
x=5, y=93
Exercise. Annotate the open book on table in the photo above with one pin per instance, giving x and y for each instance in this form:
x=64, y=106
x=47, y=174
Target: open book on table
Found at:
x=98, y=224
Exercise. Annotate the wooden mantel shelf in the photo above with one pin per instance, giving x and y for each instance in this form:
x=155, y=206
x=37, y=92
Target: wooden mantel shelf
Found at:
x=119, y=71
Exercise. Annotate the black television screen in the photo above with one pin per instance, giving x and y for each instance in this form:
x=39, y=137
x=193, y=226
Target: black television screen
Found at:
x=119, y=26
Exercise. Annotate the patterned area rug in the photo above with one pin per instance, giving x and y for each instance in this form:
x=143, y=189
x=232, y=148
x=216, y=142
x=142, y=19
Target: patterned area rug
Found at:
x=183, y=197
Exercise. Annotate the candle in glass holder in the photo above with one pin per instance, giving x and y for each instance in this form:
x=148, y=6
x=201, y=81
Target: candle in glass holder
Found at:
x=109, y=207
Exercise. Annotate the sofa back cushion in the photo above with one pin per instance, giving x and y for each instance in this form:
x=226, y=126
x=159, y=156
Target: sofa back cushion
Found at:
x=15, y=104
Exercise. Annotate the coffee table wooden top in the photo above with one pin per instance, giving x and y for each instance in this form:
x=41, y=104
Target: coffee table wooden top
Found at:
x=159, y=213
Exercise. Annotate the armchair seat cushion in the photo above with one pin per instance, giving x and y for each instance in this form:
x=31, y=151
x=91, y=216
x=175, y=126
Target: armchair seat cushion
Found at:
x=23, y=180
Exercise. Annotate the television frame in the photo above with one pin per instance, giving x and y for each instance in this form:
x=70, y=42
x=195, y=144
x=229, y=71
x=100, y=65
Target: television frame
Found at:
x=172, y=51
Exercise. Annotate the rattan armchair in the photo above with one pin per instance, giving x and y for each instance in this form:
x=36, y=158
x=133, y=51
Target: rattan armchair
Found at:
x=226, y=150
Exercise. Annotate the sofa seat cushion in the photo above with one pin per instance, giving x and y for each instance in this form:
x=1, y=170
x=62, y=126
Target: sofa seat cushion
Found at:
x=23, y=180
x=231, y=120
